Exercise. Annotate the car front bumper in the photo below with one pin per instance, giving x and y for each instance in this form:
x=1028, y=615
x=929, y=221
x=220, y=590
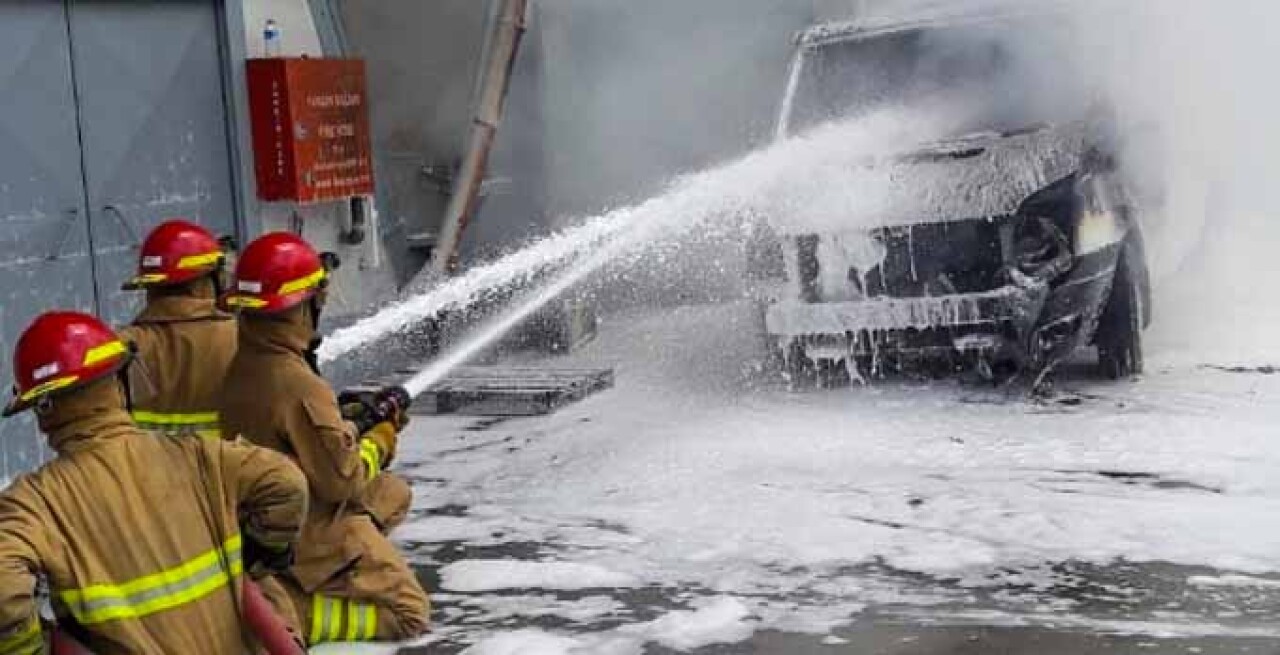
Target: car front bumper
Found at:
x=1010, y=304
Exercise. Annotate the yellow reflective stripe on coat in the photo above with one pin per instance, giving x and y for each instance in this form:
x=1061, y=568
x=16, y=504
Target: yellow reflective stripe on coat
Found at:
x=340, y=619
x=28, y=640
x=205, y=424
x=372, y=456
x=185, y=583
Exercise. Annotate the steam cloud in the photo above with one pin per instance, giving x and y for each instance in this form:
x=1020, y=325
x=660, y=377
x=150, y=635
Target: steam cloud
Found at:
x=1189, y=82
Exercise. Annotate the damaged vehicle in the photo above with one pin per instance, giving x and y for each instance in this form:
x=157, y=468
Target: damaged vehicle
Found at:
x=1002, y=245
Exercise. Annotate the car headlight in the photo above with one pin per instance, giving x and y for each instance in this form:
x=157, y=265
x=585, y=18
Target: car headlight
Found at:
x=1097, y=230
x=1040, y=250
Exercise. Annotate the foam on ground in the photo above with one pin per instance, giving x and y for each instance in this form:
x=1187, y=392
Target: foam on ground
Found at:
x=689, y=475
x=490, y=575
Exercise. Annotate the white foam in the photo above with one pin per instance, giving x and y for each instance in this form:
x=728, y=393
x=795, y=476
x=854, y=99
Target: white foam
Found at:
x=1244, y=581
x=490, y=575
x=711, y=484
x=720, y=620
x=438, y=529
x=524, y=642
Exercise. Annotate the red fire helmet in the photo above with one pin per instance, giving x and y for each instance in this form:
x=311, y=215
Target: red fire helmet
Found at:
x=276, y=272
x=177, y=251
x=62, y=351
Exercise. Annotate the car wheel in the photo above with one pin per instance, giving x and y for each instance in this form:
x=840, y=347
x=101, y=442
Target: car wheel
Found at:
x=1119, y=336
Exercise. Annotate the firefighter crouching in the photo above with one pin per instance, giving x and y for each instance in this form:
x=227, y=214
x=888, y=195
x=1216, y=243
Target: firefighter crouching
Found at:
x=143, y=540
x=348, y=583
x=184, y=342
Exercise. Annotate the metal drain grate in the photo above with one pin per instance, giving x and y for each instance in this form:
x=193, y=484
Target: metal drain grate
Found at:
x=510, y=390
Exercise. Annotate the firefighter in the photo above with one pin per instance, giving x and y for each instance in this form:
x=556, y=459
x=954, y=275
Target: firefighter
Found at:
x=349, y=583
x=184, y=342
x=143, y=541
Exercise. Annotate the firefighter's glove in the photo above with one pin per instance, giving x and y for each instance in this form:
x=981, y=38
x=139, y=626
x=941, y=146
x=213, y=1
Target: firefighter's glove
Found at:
x=378, y=446
x=358, y=412
x=363, y=414
x=399, y=418
x=262, y=559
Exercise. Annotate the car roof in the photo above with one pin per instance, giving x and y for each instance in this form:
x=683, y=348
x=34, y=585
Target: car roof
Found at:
x=938, y=14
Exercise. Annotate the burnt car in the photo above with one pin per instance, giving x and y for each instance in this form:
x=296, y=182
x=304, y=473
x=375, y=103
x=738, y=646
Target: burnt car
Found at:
x=1008, y=244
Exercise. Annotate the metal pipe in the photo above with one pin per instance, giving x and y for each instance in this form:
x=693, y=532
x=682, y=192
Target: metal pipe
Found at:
x=508, y=28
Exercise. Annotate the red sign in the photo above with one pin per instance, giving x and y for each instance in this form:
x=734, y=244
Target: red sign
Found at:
x=310, y=129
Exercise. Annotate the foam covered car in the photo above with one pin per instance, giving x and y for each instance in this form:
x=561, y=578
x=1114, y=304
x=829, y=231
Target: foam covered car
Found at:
x=1006, y=241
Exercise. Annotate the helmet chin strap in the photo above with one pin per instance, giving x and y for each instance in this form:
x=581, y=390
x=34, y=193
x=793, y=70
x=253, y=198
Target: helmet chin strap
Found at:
x=218, y=286
x=313, y=308
x=122, y=376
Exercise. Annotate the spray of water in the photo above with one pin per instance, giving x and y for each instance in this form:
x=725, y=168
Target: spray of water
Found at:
x=515, y=269
x=496, y=329
x=762, y=183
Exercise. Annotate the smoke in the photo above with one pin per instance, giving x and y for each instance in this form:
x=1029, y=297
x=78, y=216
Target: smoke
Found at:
x=1191, y=84
x=1186, y=82
x=637, y=93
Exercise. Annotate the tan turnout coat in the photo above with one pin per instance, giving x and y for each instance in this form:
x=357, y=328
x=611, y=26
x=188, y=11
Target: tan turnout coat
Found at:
x=349, y=582
x=185, y=345
x=138, y=535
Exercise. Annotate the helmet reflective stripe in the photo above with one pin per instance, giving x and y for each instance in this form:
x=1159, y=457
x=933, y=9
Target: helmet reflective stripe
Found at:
x=106, y=351
x=245, y=301
x=302, y=284
x=198, y=261
x=48, y=387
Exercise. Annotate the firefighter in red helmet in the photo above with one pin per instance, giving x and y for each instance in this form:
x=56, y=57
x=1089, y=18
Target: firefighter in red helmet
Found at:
x=143, y=540
x=349, y=583
x=184, y=342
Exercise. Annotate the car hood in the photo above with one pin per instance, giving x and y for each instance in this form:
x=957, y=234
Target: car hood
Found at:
x=975, y=176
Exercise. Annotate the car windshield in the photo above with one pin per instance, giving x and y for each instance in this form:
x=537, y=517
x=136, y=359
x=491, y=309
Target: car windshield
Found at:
x=990, y=76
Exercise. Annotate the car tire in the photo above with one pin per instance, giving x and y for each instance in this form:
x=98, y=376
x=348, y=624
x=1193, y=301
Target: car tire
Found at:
x=1119, y=335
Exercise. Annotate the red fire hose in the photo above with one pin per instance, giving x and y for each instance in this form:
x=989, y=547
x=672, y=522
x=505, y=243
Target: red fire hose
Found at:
x=263, y=621
x=64, y=644
x=266, y=624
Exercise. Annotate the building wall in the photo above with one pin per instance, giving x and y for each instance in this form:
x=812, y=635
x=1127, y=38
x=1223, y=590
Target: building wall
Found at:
x=367, y=276
x=114, y=120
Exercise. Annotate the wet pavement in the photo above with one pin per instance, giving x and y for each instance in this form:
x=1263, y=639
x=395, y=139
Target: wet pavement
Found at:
x=1117, y=609
x=1097, y=604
